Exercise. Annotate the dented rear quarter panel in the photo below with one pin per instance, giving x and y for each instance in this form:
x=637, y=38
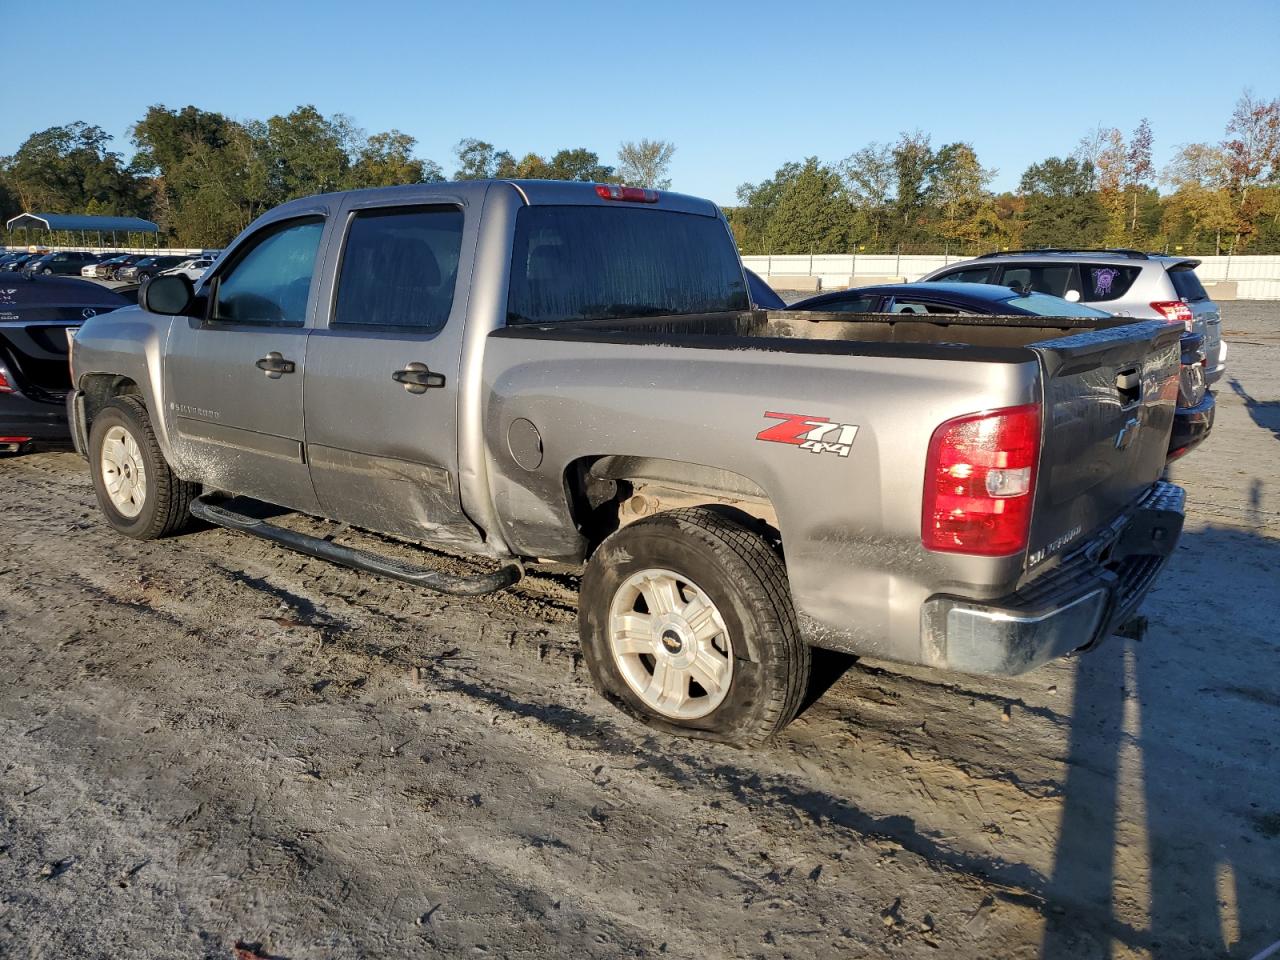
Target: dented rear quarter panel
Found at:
x=850, y=525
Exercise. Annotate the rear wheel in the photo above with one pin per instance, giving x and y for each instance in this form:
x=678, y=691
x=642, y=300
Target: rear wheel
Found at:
x=687, y=624
x=137, y=492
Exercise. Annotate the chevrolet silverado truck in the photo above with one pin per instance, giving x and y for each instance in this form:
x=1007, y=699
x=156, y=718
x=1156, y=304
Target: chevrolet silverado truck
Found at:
x=542, y=372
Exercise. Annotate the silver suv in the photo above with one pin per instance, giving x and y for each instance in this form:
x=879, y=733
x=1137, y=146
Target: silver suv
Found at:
x=1127, y=283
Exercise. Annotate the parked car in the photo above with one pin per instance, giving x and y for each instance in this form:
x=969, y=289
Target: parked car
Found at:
x=17, y=263
x=146, y=268
x=192, y=268
x=109, y=269
x=35, y=315
x=1195, y=408
x=541, y=371
x=61, y=262
x=1126, y=283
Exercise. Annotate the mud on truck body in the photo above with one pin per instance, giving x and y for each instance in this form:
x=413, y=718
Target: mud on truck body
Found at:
x=534, y=372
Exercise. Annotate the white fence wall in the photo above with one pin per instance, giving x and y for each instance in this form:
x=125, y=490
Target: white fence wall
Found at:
x=1258, y=278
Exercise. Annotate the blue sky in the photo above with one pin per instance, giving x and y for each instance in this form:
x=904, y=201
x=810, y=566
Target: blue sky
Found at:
x=739, y=87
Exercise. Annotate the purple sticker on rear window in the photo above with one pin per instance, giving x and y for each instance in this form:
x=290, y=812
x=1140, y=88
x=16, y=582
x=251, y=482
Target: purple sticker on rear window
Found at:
x=1102, y=280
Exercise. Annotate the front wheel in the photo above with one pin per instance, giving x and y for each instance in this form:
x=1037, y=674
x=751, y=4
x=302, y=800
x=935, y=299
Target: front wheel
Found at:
x=137, y=491
x=687, y=623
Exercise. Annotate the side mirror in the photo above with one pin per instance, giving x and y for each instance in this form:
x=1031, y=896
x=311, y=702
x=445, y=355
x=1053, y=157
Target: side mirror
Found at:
x=1072, y=296
x=172, y=295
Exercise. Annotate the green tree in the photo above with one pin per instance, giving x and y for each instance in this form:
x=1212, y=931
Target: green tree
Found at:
x=479, y=160
x=62, y=169
x=308, y=152
x=386, y=159
x=914, y=166
x=812, y=213
x=869, y=178
x=1062, y=206
x=644, y=163
x=966, y=212
x=578, y=164
x=757, y=205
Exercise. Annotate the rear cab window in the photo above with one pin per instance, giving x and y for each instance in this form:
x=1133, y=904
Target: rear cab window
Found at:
x=595, y=263
x=1187, y=284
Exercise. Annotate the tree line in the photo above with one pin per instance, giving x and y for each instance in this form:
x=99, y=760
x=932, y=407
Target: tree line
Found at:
x=202, y=177
x=909, y=196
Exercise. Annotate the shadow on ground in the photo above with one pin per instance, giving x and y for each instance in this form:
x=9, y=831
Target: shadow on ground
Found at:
x=1194, y=714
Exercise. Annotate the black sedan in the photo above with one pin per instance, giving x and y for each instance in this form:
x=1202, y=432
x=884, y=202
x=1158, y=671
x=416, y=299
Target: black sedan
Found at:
x=1194, y=417
x=35, y=314
x=20, y=261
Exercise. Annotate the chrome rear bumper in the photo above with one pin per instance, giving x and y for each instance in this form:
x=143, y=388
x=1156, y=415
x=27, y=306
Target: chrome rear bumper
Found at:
x=1077, y=604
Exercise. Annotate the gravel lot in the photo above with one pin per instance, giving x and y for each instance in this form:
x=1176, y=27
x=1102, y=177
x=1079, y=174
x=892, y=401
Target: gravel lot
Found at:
x=210, y=747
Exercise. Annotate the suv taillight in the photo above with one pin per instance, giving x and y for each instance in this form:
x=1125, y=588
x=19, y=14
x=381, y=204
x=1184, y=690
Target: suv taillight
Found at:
x=5, y=385
x=979, y=481
x=1175, y=310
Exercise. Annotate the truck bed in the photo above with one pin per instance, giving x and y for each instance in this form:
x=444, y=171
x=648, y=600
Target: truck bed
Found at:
x=997, y=339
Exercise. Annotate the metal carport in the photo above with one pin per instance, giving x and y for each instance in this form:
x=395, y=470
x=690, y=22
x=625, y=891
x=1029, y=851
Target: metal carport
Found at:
x=82, y=223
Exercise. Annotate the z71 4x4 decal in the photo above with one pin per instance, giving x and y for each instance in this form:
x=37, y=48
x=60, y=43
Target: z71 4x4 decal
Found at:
x=815, y=434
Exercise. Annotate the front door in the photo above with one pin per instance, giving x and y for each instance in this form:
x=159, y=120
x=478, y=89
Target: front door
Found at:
x=382, y=375
x=234, y=378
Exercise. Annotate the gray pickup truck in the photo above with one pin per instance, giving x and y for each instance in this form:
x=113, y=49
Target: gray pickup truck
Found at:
x=542, y=372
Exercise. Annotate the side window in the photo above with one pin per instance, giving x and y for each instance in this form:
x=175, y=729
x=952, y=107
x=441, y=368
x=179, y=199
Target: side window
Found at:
x=270, y=283
x=399, y=268
x=1104, y=282
x=967, y=275
x=1054, y=279
x=852, y=305
x=922, y=307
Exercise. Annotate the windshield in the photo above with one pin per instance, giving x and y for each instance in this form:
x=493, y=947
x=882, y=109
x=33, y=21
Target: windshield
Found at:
x=1043, y=305
x=596, y=263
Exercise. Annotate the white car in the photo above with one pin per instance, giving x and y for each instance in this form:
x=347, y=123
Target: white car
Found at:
x=88, y=270
x=192, y=269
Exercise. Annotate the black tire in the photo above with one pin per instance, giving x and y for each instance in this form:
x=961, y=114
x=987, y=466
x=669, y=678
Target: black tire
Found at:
x=746, y=579
x=167, y=499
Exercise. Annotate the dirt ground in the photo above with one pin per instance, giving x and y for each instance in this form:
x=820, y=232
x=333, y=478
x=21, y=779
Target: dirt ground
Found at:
x=210, y=747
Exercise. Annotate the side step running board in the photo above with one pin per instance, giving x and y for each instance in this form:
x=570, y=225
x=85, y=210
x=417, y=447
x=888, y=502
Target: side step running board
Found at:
x=220, y=516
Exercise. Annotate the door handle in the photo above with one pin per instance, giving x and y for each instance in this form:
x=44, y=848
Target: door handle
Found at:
x=274, y=365
x=417, y=378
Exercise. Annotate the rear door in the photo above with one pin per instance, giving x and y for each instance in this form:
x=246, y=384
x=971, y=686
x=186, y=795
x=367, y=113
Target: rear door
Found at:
x=234, y=378
x=383, y=370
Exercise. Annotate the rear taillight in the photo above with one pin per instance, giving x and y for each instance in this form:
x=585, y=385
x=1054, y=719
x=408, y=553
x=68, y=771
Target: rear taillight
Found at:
x=1175, y=310
x=611, y=191
x=979, y=481
x=5, y=385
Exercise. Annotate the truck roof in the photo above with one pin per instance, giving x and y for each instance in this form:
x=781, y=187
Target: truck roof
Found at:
x=533, y=192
